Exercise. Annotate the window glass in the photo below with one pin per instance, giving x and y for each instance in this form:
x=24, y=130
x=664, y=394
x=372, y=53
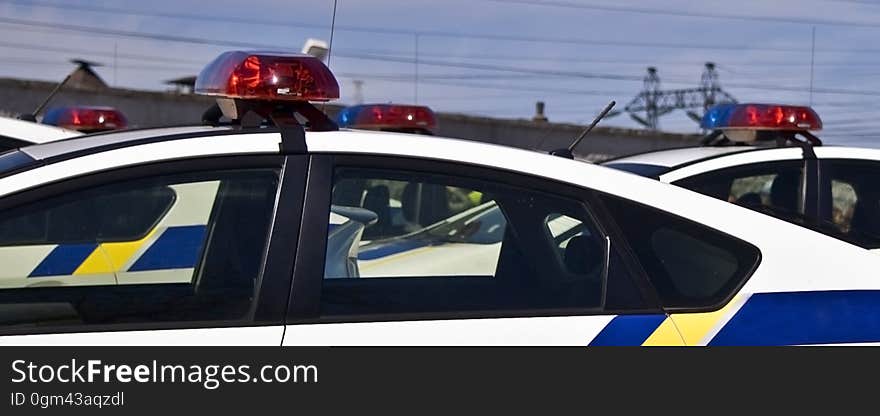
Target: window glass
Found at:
x=690, y=266
x=92, y=216
x=171, y=248
x=772, y=188
x=855, y=192
x=464, y=246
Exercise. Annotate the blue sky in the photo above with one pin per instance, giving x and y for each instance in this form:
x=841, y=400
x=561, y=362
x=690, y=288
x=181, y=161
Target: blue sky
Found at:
x=488, y=57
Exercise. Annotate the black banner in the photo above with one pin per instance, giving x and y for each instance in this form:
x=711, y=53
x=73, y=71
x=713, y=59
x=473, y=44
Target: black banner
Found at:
x=172, y=380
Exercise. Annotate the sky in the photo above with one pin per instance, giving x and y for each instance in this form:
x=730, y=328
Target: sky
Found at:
x=486, y=57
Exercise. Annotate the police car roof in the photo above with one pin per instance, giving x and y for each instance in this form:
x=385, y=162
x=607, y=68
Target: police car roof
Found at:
x=116, y=139
x=33, y=132
x=674, y=157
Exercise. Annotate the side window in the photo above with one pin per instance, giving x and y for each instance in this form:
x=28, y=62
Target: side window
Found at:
x=172, y=248
x=855, y=193
x=773, y=188
x=92, y=216
x=488, y=247
x=689, y=265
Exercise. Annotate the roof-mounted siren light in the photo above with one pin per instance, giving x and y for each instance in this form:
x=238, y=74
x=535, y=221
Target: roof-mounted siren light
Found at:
x=87, y=119
x=415, y=119
x=273, y=85
x=761, y=122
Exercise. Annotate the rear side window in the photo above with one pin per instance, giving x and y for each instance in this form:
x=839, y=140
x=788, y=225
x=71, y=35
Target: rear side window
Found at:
x=690, y=266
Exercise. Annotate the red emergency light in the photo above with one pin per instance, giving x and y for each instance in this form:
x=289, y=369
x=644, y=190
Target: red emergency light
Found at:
x=761, y=117
x=388, y=117
x=88, y=119
x=271, y=76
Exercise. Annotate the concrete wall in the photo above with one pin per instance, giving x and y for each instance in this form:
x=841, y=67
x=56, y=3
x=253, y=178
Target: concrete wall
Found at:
x=148, y=108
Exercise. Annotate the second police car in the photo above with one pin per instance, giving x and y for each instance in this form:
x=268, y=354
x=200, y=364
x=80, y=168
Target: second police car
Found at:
x=59, y=123
x=243, y=233
x=764, y=157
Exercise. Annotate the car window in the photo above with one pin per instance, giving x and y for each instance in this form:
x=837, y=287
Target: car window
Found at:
x=94, y=216
x=511, y=248
x=855, y=193
x=164, y=249
x=774, y=188
x=690, y=266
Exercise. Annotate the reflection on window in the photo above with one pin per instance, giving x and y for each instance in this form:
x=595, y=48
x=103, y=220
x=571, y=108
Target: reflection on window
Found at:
x=172, y=248
x=843, y=200
x=454, y=244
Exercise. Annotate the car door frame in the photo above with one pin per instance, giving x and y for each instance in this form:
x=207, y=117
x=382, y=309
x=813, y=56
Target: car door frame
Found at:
x=267, y=311
x=305, y=294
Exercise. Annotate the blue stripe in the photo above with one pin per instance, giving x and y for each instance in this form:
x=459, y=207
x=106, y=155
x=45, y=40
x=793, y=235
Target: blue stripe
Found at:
x=392, y=247
x=828, y=317
x=63, y=260
x=176, y=248
x=628, y=330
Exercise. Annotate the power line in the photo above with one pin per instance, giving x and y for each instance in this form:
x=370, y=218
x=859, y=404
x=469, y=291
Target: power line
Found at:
x=666, y=12
x=93, y=52
x=204, y=41
x=44, y=62
x=406, y=32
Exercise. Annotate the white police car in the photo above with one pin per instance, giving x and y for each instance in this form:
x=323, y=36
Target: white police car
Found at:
x=244, y=233
x=16, y=133
x=755, y=157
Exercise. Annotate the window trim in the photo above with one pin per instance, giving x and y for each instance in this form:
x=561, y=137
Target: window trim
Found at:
x=273, y=278
x=305, y=296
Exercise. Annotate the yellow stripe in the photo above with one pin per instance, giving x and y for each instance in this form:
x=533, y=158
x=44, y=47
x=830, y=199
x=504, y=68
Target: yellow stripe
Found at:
x=111, y=257
x=665, y=335
x=695, y=326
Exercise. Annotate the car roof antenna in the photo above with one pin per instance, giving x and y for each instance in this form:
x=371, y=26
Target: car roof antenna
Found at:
x=33, y=116
x=568, y=152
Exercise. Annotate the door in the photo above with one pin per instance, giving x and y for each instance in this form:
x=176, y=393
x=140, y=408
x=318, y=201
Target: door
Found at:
x=422, y=252
x=169, y=253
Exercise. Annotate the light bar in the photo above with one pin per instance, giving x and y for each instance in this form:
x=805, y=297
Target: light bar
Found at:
x=270, y=76
x=761, y=117
x=388, y=117
x=87, y=119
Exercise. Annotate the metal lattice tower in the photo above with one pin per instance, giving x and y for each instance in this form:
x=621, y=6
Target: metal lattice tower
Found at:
x=358, y=91
x=655, y=102
x=651, y=89
x=710, y=84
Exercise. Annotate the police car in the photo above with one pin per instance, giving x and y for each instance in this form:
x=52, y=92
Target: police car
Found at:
x=764, y=157
x=17, y=133
x=254, y=232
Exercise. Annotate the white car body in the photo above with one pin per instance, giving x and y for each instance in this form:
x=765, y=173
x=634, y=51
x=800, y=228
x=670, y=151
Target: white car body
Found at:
x=33, y=133
x=792, y=259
